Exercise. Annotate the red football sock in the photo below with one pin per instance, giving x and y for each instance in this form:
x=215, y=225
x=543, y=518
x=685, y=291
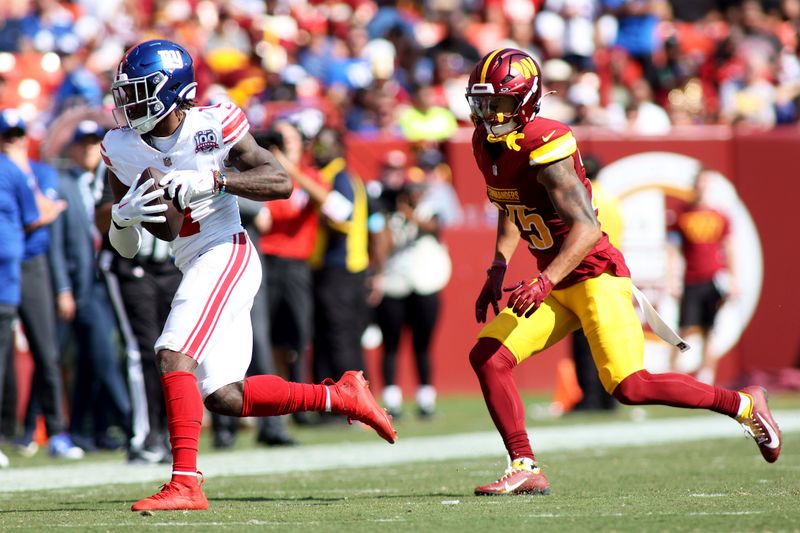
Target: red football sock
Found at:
x=184, y=417
x=676, y=390
x=268, y=395
x=493, y=364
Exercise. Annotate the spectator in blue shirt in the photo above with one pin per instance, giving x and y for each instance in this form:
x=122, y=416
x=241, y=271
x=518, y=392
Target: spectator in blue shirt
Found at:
x=18, y=214
x=37, y=306
x=638, y=21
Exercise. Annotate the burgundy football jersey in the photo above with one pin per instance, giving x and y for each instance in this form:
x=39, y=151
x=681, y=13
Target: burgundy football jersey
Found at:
x=510, y=167
x=703, y=230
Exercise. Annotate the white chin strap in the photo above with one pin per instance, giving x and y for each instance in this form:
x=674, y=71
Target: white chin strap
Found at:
x=145, y=127
x=150, y=123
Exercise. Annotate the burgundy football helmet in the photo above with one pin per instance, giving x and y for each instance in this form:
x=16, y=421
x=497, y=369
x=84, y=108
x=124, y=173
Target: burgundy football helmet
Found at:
x=505, y=90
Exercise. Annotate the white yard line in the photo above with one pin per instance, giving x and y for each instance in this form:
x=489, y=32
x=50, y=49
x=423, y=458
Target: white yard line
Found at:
x=357, y=455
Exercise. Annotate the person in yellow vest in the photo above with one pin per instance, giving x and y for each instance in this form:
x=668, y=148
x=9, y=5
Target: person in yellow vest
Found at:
x=424, y=120
x=340, y=259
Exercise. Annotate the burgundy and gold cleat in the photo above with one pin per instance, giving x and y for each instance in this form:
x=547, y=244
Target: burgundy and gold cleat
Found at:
x=757, y=422
x=523, y=477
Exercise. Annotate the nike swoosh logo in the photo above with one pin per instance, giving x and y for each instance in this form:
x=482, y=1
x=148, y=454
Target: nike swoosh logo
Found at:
x=774, y=441
x=510, y=488
x=546, y=138
x=122, y=205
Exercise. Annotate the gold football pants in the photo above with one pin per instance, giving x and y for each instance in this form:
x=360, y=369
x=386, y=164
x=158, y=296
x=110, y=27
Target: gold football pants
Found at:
x=603, y=306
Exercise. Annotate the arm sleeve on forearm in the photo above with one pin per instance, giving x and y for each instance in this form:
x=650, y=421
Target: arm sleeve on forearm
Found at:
x=126, y=240
x=337, y=207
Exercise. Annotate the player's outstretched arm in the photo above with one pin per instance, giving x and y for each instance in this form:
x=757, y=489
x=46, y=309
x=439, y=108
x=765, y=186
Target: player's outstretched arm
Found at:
x=260, y=177
x=571, y=200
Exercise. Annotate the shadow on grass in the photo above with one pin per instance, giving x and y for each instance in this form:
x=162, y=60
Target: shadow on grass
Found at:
x=327, y=500
x=67, y=508
x=111, y=505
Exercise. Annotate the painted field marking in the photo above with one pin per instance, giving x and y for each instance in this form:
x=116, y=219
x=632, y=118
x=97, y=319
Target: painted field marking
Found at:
x=411, y=450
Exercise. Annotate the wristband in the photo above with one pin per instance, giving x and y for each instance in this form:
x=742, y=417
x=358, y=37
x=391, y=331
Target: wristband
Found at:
x=220, y=181
x=497, y=263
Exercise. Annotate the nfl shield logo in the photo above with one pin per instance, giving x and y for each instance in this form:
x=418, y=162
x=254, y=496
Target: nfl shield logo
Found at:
x=168, y=161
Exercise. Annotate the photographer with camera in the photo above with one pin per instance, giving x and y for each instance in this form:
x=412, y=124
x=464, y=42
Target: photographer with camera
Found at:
x=415, y=268
x=340, y=255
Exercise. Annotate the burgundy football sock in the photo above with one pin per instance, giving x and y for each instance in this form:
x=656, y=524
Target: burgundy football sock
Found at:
x=493, y=364
x=184, y=416
x=676, y=390
x=267, y=395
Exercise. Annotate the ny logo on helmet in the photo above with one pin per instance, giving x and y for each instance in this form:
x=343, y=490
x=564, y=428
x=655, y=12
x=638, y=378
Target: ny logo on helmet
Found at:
x=171, y=59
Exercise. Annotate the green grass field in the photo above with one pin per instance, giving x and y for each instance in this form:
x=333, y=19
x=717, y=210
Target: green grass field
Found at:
x=711, y=485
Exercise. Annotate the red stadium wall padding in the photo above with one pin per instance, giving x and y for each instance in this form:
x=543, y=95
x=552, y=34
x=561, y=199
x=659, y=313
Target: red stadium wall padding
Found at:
x=765, y=167
x=762, y=166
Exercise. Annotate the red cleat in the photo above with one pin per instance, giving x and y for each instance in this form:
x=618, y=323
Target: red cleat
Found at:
x=357, y=403
x=759, y=424
x=174, y=496
x=523, y=477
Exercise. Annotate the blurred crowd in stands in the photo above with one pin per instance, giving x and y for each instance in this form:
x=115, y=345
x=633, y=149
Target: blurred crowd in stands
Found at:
x=306, y=71
x=400, y=67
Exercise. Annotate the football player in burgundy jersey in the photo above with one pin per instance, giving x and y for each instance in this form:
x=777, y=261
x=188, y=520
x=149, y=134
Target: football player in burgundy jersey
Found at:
x=704, y=236
x=210, y=158
x=535, y=178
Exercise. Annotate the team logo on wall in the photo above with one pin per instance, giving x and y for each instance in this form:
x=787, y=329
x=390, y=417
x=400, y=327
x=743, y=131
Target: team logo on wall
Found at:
x=205, y=141
x=649, y=186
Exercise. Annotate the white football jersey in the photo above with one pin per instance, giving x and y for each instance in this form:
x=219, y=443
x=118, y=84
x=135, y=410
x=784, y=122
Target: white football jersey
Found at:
x=204, y=140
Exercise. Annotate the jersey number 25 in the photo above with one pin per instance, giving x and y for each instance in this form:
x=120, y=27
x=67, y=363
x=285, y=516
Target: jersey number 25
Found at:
x=532, y=224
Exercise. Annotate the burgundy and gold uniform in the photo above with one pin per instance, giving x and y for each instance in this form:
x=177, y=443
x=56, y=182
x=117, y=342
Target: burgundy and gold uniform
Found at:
x=511, y=147
x=510, y=166
x=703, y=231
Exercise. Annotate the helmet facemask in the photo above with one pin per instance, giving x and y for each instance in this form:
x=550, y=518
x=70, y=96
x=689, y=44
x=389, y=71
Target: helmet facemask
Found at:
x=137, y=103
x=500, y=113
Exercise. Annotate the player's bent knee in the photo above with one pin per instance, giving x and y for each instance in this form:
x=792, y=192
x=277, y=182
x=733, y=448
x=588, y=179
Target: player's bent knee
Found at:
x=226, y=400
x=170, y=361
x=482, y=352
x=633, y=389
x=490, y=354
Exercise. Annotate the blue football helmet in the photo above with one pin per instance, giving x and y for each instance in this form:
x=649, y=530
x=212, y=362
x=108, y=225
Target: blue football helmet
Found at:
x=152, y=80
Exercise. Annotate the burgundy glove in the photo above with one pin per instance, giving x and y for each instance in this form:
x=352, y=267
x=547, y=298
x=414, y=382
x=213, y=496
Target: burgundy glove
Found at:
x=492, y=290
x=527, y=296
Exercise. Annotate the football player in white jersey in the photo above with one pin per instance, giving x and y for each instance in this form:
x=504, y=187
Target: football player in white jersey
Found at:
x=210, y=158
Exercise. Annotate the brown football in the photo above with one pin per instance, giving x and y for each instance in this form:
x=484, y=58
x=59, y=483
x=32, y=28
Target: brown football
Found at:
x=169, y=230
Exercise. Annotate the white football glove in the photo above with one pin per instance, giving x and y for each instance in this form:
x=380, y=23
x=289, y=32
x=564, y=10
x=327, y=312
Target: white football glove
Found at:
x=133, y=209
x=188, y=185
